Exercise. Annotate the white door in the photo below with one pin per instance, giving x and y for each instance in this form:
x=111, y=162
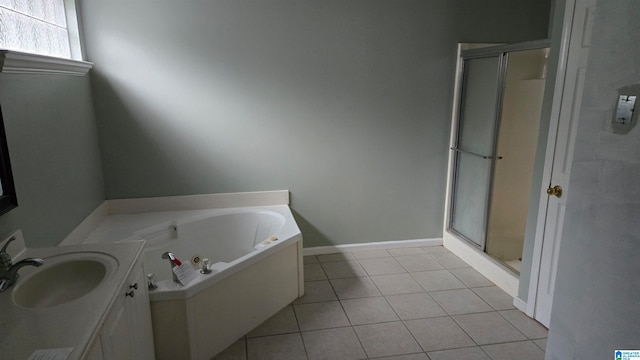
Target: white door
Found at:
x=563, y=128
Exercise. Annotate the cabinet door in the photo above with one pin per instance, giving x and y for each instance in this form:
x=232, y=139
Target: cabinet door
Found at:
x=127, y=332
x=140, y=317
x=117, y=342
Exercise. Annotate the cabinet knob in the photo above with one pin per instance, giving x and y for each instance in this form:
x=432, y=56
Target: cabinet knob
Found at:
x=133, y=286
x=130, y=293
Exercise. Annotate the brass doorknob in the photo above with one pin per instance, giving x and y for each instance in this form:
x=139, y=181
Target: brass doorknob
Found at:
x=556, y=190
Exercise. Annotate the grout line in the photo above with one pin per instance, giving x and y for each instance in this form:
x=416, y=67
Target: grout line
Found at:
x=413, y=337
x=295, y=316
x=385, y=297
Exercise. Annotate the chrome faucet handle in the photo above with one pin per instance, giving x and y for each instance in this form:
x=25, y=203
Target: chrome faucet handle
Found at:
x=5, y=258
x=206, y=269
x=151, y=281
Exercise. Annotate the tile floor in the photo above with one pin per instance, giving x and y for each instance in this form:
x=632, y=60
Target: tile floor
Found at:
x=404, y=304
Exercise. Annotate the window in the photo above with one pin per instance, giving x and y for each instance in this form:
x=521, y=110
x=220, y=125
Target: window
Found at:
x=40, y=37
x=37, y=26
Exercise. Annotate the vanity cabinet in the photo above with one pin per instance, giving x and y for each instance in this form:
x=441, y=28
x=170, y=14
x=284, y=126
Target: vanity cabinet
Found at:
x=126, y=332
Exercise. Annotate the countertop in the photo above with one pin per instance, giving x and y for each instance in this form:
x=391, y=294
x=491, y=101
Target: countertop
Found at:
x=71, y=325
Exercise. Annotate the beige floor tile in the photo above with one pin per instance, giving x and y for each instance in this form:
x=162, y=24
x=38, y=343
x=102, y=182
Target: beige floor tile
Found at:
x=421, y=262
x=542, y=343
x=406, y=251
x=283, y=322
x=237, y=351
x=317, y=291
x=420, y=356
x=371, y=254
x=351, y=288
x=434, y=249
x=310, y=259
x=415, y=306
x=332, y=344
x=343, y=269
x=529, y=327
x=449, y=260
x=438, y=334
x=495, y=297
x=277, y=347
x=377, y=288
x=470, y=353
x=368, y=311
x=386, y=339
x=314, y=272
x=488, y=328
x=471, y=277
x=458, y=302
x=322, y=315
x=522, y=350
x=437, y=280
x=382, y=266
x=396, y=284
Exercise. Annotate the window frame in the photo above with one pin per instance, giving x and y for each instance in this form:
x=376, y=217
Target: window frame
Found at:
x=17, y=62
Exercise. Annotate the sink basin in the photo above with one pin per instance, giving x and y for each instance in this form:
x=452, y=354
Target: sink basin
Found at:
x=62, y=279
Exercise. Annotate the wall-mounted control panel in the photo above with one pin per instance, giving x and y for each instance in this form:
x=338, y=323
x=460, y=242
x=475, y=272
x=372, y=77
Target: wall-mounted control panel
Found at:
x=625, y=115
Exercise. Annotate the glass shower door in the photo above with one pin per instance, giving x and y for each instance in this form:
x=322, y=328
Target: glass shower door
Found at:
x=482, y=84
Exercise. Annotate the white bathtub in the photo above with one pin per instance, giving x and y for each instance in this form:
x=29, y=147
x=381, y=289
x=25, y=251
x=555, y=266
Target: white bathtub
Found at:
x=256, y=257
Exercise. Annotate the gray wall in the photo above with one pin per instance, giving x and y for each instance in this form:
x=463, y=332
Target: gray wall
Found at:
x=345, y=103
x=595, y=307
x=53, y=145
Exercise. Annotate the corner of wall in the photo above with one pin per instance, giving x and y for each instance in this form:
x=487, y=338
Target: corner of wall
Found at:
x=90, y=223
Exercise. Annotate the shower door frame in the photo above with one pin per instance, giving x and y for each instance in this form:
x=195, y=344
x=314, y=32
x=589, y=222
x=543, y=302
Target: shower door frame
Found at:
x=502, y=52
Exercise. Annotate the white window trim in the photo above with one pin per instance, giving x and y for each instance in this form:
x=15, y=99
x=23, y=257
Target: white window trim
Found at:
x=15, y=62
x=76, y=45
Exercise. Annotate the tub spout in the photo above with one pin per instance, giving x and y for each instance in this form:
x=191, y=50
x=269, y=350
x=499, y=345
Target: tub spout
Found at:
x=173, y=260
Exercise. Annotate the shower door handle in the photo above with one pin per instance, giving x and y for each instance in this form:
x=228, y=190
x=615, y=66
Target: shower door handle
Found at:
x=556, y=191
x=476, y=154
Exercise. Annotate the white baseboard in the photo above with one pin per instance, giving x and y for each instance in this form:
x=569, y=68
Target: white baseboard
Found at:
x=332, y=249
x=483, y=263
x=520, y=304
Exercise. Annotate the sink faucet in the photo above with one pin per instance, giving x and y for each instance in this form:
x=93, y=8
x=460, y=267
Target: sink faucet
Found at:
x=8, y=270
x=174, y=262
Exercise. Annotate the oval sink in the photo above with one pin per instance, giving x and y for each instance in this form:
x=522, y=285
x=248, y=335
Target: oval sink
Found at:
x=60, y=282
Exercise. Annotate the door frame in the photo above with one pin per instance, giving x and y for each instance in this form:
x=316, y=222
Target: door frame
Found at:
x=487, y=266
x=558, y=104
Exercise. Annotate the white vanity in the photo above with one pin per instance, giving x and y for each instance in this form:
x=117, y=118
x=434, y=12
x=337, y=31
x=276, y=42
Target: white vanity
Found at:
x=90, y=301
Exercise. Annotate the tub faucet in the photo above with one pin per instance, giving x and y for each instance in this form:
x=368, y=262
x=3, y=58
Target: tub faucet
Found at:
x=173, y=260
x=9, y=271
